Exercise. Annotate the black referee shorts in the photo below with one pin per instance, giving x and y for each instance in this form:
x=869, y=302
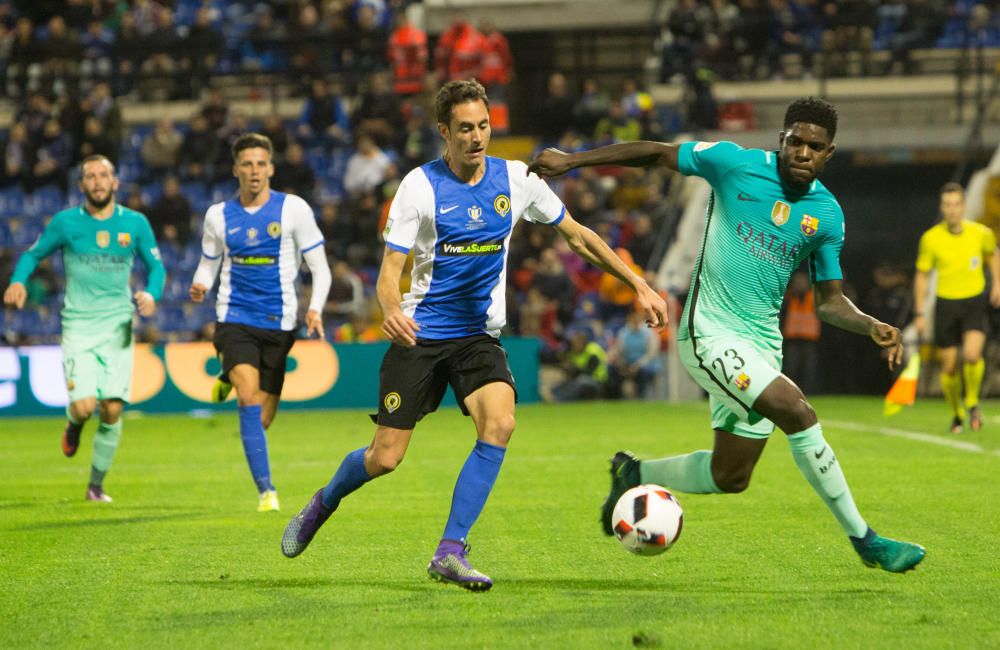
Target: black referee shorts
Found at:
x=953, y=318
x=265, y=350
x=413, y=381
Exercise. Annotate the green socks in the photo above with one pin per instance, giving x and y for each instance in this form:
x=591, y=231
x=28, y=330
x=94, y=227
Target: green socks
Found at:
x=691, y=473
x=105, y=445
x=821, y=468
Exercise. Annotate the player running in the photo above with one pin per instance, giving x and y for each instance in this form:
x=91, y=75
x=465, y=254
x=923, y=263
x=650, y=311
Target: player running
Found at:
x=767, y=214
x=456, y=214
x=956, y=248
x=259, y=239
x=99, y=241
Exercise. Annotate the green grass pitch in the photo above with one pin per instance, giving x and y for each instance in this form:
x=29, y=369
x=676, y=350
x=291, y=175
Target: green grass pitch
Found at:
x=181, y=559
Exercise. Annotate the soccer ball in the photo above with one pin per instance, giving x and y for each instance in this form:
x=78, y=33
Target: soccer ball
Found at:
x=647, y=519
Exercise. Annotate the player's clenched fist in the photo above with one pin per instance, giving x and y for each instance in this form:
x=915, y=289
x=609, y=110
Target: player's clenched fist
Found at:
x=145, y=303
x=550, y=162
x=15, y=295
x=198, y=292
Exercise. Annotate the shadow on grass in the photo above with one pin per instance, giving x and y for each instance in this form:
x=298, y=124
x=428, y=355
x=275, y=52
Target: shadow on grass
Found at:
x=116, y=521
x=257, y=584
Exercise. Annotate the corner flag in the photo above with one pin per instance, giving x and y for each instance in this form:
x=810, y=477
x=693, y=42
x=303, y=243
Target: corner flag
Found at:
x=904, y=391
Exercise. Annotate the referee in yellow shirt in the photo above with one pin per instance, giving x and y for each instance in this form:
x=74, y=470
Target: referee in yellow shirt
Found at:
x=957, y=248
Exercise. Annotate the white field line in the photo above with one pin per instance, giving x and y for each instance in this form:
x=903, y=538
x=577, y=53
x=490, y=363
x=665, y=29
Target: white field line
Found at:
x=961, y=445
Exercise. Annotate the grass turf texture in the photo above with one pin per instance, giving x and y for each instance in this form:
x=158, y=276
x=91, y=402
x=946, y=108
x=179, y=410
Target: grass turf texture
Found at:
x=181, y=559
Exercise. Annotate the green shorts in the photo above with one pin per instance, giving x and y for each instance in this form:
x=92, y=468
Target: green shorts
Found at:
x=99, y=364
x=735, y=373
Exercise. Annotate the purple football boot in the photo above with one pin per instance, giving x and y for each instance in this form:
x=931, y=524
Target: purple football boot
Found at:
x=303, y=526
x=449, y=565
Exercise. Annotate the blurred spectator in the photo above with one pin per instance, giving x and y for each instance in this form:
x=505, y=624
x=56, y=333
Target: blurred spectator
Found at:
x=161, y=149
x=686, y=27
x=890, y=299
x=718, y=45
x=16, y=156
x=294, y=175
x=592, y=107
x=274, y=128
x=498, y=63
x=551, y=280
x=379, y=113
x=800, y=328
x=24, y=70
x=368, y=42
x=202, y=47
x=324, y=118
x=750, y=38
x=133, y=199
x=615, y=296
x=919, y=27
x=643, y=240
x=35, y=114
x=311, y=43
x=97, y=46
x=338, y=231
x=101, y=104
x=53, y=157
x=555, y=112
x=130, y=53
x=263, y=47
x=421, y=141
x=360, y=329
x=171, y=214
x=347, y=293
x=617, y=126
x=634, y=358
x=163, y=47
x=792, y=27
x=408, y=56
x=367, y=168
x=539, y=318
x=459, y=51
x=586, y=367
x=199, y=151
x=95, y=141
x=849, y=27
x=61, y=56
x=215, y=109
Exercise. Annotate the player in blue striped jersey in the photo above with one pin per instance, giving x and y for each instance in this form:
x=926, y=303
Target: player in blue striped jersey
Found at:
x=456, y=215
x=258, y=239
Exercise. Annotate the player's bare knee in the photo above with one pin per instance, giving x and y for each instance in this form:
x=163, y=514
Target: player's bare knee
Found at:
x=498, y=430
x=801, y=416
x=731, y=482
x=110, y=412
x=384, y=461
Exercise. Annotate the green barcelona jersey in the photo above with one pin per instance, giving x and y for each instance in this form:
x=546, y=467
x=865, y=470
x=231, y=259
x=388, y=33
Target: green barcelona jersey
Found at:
x=757, y=232
x=98, y=256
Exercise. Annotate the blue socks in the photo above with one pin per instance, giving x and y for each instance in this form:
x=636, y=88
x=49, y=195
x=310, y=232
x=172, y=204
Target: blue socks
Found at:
x=473, y=487
x=255, y=446
x=349, y=477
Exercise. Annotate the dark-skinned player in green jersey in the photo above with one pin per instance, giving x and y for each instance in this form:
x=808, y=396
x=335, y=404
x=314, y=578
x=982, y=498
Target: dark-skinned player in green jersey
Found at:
x=768, y=213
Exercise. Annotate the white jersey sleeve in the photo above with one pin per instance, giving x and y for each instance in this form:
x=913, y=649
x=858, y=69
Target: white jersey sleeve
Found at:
x=414, y=201
x=305, y=231
x=213, y=245
x=531, y=197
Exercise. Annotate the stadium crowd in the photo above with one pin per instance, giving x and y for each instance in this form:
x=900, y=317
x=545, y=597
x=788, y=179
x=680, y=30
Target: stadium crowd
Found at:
x=367, y=74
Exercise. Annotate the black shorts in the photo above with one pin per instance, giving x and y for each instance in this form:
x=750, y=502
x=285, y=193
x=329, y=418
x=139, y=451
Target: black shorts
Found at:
x=413, y=381
x=265, y=350
x=953, y=318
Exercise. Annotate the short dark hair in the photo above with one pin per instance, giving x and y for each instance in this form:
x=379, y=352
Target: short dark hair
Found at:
x=97, y=156
x=813, y=110
x=952, y=186
x=457, y=92
x=252, y=141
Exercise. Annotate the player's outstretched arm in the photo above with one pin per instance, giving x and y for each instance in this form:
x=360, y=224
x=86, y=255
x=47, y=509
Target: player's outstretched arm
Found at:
x=15, y=295
x=400, y=328
x=588, y=245
x=835, y=308
x=644, y=153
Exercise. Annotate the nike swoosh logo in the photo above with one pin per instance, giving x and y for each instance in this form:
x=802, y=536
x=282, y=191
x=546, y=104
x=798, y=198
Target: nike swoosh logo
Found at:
x=448, y=209
x=232, y=230
x=819, y=454
x=746, y=197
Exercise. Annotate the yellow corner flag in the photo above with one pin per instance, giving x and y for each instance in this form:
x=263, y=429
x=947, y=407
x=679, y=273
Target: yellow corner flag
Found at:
x=904, y=391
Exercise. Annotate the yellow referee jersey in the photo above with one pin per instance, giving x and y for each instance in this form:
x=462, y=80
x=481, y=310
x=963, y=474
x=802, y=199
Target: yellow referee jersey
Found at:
x=958, y=258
